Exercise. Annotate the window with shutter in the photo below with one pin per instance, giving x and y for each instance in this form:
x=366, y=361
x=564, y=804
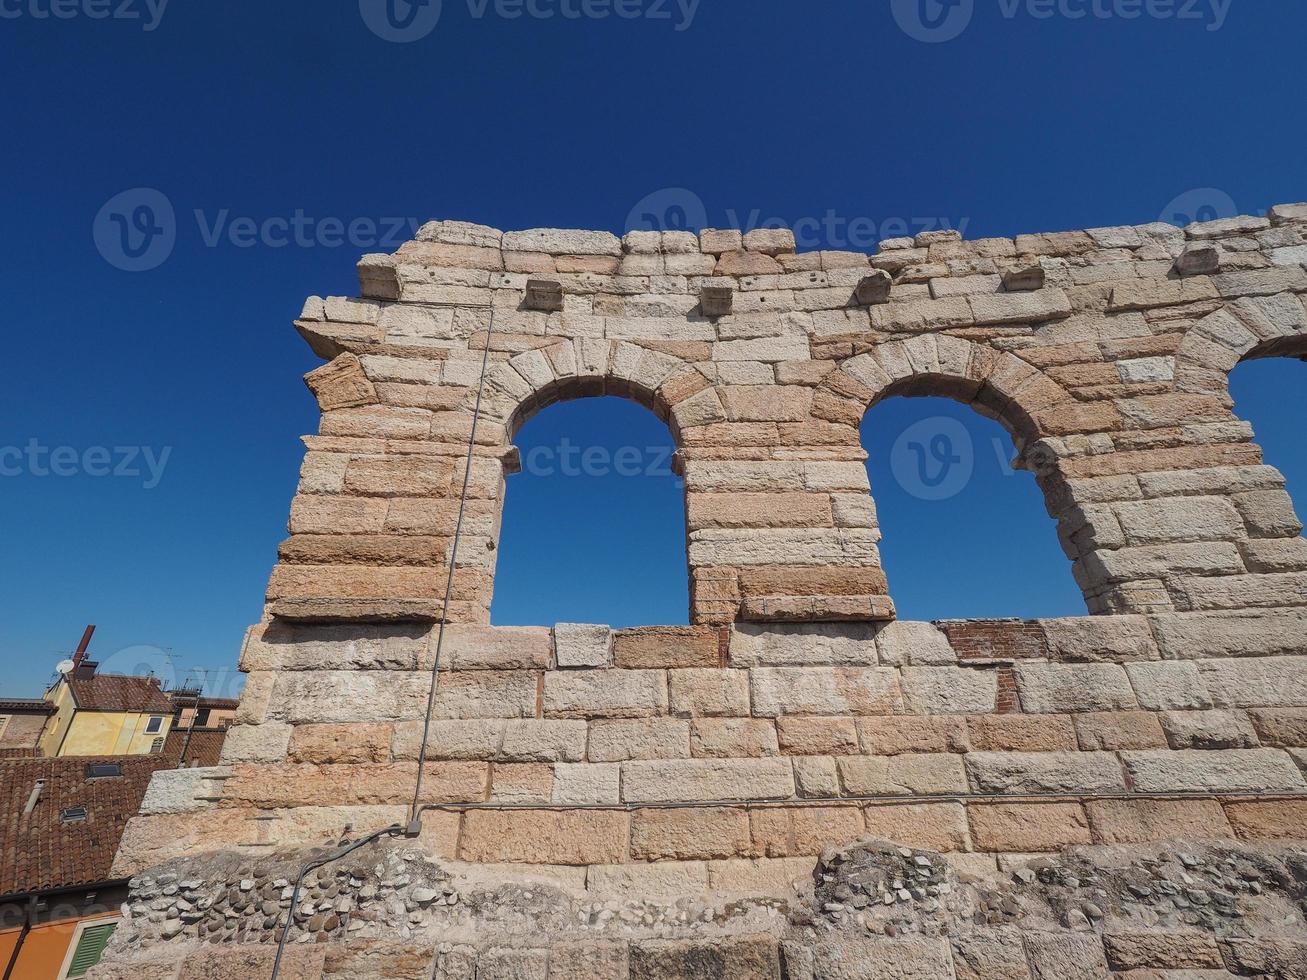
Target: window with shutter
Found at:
x=91, y=941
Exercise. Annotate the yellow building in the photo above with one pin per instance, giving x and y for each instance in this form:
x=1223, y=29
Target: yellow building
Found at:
x=105, y=714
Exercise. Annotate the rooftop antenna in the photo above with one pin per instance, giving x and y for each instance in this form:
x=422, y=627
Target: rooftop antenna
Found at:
x=80, y=654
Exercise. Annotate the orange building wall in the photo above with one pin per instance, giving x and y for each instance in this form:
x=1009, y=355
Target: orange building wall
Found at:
x=44, y=948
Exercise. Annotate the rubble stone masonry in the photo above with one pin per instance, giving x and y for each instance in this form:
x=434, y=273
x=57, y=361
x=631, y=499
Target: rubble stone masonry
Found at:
x=795, y=715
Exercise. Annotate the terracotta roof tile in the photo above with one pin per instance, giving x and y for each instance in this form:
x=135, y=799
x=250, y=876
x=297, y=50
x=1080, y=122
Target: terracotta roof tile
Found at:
x=119, y=692
x=40, y=850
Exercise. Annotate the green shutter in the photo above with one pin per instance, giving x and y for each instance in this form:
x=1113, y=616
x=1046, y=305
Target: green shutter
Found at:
x=90, y=947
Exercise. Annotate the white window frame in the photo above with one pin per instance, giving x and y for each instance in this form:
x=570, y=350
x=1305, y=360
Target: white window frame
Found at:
x=157, y=722
x=77, y=938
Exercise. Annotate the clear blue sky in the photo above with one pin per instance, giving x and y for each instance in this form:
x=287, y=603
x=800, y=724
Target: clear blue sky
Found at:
x=829, y=116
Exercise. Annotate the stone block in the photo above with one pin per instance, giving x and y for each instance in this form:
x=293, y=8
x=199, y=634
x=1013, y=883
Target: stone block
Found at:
x=778, y=691
x=1026, y=827
x=707, y=780
x=701, y=833
x=736, y=959
x=1209, y=730
x=589, y=960
x=1268, y=820
x=1179, y=519
x=587, y=784
x=256, y=743
x=905, y=734
x=1143, y=821
x=667, y=882
x=513, y=964
x=708, y=692
x=882, y=959
x=1159, y=950
x=299, y=963
x=991, y=954
x=356, y=743
x=1168, y=686
x=557, y=241
x=934, y=826
x=817, y=736
x=1045, y=772
x=919, y=644
x=579, y=645
x=574, y=837
x=1071, y=688
x=1220, y=771
x=605, y=694
x=666, y=647
x=1089, y=639
x=817, y=777
x=1065, y=956
x=817, y=644
x=1022, y=733
x=902, y=775
x=1278, y=727
x=469, y=647
x=733, y=738
x=949, y=690
x=644, y=738
x=1111, y=731
x=1263, y=682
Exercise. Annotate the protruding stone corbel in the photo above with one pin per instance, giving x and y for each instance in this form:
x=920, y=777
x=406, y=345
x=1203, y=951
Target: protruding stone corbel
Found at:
x=341, y=384
x=716, y=300
x=512, y=461
x=1199, y=259
x=874, y=289
x=1024, y=278
x=544, y=295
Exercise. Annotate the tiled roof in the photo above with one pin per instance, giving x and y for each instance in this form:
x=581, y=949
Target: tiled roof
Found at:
x=29, y=705
x=41, y=851
x=119, y=692
x=203, y=747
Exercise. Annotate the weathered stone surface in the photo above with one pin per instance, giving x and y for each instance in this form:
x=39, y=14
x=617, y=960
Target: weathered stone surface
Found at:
x=1215, y=771
x=544, y=837
x=605, y=694
x=1140, y=821
x=706, y=780
x=823, y=691
x=882, y=959
x=902, y=775
x=577, y=645
x=1066, y=688
x=645, y=738
x=745, y=959
x=704, y=833
x=793, y=646
x=1065, y=956
x=1024, y=827
x=708, y=692
x=1045, y=772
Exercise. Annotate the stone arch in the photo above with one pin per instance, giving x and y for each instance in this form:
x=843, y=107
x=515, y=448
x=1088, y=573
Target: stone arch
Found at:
x=583, y=368
x=1035, y=410
x=1247, y=329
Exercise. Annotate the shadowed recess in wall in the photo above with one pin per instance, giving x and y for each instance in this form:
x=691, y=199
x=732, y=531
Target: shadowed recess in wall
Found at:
x=594, y=525
x=965, y=535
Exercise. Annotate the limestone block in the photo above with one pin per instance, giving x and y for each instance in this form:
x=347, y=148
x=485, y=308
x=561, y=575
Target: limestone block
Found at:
x=1209, y=730
x=1191, y=636
x=357, y=743
x=555, y=241
x=587, y=783
x=1049, y=303
x=485, y=694
x=666, y=882
x=1219, y=771
x=1071, y=688
x=1278, y=727
x=645, y=738
x=1268, y=820
x=1268, y=514
x=936, y=826
x=779, y=878
x=659, y=647
x=1110, y=731
x=708, y=780
x=573, y=837
x=1113, y=639
x=766, y=403
x=701, y=833
x=769, y=241
x=588, y=959
x=949, y=690
x=1168, y=686
x=733, y=738
x=1027, y=827
x=817, y=777
x=1065, y=956
x=1262, y=682
x=882, y=959
x=780, y=691
x=256, y=743
x=818, y=736
x=756, y=510
x=1022, y=733
x=745, y=959
x=469, y=647
x=920, y=644
x=715, y=241
x=579, y=645
x=1045, y=772
x=605, y=694
x=1179, y=519
x=517, y=784
x=349, y=696
x=1142, y=821
x=902, y=734
x=902, y=775
x=995, y=954
x=816, y=644
x=180, y=790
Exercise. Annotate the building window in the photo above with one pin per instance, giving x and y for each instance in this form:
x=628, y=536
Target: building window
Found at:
x=72, y=814
x=103, y=770
x=202, y=718
x=156, y=746
x=153, y=725
x=86, y=948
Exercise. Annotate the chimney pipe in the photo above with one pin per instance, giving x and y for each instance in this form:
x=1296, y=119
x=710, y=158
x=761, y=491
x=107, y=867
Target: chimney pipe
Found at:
x=81, y=647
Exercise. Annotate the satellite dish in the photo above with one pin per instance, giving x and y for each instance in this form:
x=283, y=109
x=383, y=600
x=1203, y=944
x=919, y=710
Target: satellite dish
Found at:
x=64, y=666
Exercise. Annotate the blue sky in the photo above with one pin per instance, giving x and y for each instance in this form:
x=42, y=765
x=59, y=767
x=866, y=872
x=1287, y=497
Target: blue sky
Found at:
x=834, y=118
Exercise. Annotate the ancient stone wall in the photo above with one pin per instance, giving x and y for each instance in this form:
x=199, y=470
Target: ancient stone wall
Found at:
x=716, y=762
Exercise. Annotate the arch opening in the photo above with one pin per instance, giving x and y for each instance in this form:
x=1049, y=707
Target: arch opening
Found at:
x=1269, y=389
x=967, y=534
x=594, y=526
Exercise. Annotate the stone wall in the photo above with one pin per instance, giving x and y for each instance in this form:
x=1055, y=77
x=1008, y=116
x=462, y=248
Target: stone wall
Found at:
x=1106, y=354
x=714, y=764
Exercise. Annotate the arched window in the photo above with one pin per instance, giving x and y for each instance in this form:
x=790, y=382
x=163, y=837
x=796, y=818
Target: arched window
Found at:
x=594, y=525
x=965, y=534
x=1270, y=393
